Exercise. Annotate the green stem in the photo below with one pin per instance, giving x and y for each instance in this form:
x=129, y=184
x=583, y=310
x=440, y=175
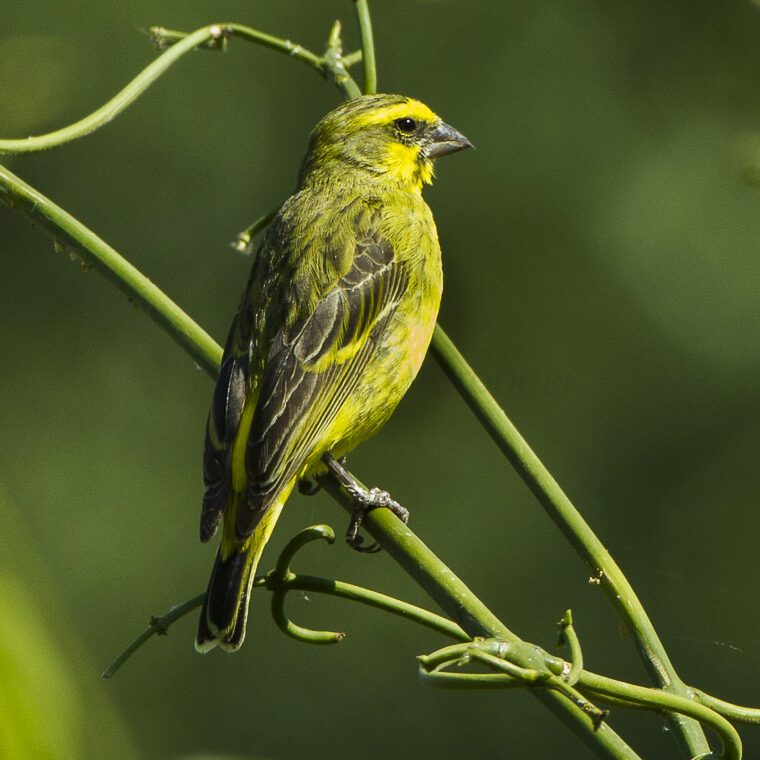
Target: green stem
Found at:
x=335, y=64
x=461, y=604
x=726, y=709
x=643, y=698
x=282, y=579
x=434, y=669
x=570, y=637
x=577, y=531
x=117, y=104
x=243, y=243
x=379, y=601
x=179, y=45
x=158, y=627
x=368, y=47
x=172, y=38
x=93, y=250
x=352, y=58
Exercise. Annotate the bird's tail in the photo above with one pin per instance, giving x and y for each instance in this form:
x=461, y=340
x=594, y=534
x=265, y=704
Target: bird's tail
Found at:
x=225, y=609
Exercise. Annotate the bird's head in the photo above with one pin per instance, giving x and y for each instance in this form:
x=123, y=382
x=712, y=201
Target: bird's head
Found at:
x=388, y=138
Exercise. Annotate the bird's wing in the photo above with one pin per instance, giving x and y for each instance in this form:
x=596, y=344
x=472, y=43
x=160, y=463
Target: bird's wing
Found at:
x=235, y=386
x=315, y=363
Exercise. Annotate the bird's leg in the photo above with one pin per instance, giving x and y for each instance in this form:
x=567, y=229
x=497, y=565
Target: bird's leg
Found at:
x=364, y=499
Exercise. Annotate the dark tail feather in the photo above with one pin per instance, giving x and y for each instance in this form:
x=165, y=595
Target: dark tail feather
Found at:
x=225, y=609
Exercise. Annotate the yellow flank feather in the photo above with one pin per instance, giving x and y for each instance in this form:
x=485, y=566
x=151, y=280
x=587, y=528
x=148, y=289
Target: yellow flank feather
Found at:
x=238, y=476
x=332, y=329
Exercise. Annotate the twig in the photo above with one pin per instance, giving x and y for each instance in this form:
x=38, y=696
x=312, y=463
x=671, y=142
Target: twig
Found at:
x=158, y=627
x=243, y=243
x=567, y=635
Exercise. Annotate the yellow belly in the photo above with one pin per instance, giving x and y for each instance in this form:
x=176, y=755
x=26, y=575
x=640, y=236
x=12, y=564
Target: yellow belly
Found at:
x=405, y=339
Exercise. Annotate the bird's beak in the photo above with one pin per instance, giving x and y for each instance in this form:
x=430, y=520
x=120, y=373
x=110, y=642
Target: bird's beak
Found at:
x=444, y=139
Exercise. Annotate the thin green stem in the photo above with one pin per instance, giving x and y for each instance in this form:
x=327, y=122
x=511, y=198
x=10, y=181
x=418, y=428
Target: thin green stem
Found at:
x=292, y=582
x=85, y=245
x=644, y=698
x=178, y=44
x=726, y=709
x=168, y=38
x=352, y=59
x=158, y=627
x=567, y=635
x=243, y=243
x=433, y=670
x=567, y=518
x=379, y=601
x=493, y=653
x=368, y=47
x=282, y=575
x=119, y=102
x=282, y=578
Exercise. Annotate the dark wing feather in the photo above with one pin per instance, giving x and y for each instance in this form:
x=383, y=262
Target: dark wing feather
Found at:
x=237, y=376
x=312, y=368
x=223, y=419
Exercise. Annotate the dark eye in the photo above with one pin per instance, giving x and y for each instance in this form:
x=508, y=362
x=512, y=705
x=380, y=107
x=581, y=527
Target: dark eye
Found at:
x=406, y=124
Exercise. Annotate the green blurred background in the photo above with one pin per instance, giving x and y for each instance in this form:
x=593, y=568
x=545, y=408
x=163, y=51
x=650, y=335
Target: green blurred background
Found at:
x=601, y=258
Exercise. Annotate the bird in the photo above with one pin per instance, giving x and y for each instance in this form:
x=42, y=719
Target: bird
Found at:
x=333, y=325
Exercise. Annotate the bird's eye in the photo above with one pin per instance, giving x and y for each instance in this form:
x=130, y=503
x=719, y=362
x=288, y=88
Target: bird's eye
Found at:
x=406, y=124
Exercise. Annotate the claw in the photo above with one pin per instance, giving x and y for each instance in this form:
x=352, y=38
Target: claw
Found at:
x=357, y=544
x=364, y=500
x=308, y=487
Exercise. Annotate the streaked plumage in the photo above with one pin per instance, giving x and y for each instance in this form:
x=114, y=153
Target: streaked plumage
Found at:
x=331, y=330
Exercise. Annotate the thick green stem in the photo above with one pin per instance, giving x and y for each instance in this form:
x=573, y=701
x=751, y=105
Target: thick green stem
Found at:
x=577, y=531
x=92, y=250
x=461, y=604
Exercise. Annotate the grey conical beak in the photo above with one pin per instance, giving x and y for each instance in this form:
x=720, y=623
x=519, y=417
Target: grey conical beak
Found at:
x=444, y=139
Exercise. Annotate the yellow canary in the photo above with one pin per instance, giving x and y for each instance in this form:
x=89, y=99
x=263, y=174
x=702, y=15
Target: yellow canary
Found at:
x=331, y=330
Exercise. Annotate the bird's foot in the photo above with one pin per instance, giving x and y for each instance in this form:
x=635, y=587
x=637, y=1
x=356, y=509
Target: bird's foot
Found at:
x=364, y=500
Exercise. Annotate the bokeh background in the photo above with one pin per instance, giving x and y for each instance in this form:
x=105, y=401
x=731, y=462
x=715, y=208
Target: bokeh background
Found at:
x=602, y=273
